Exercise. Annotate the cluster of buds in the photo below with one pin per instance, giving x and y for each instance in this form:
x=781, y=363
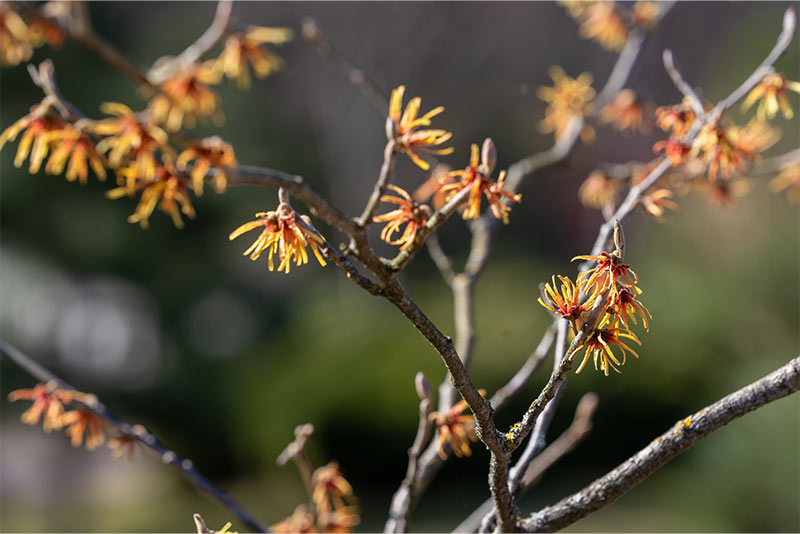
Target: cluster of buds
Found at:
x=603, y=302
x=18, y=38
x=82, y=423
x=609, y=23
x=285, y=233
x=332, y=505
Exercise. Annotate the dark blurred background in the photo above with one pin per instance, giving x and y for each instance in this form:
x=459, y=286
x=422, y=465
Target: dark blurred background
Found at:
x=221, y=359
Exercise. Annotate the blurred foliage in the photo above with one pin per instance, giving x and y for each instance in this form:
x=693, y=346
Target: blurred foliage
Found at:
x=722, y=283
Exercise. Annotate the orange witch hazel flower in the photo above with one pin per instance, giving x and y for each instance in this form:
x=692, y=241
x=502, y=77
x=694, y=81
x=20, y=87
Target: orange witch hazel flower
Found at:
x=626, y=112
x=599, y=347
x=301, y=521
x=475, y=178
x=48, y=404
x=286, y=233
x=167, y=191
x=76, y=147
x=568, y=301
x=249, y=46
x=36, y=141
x=605, y=24
x=772, y=93
x=340, y=520
x=211, y=152
x=82, y=422
x=788, y=179
x=599, y=190
x=655, y=203
x=185, y=96
x=455, y=428
x=330, y=488
x=405, y=129
x=677, y=120
x=567, y=97
x=409, y=212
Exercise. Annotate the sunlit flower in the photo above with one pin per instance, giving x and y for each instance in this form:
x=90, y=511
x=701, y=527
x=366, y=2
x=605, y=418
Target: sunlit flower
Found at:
x=677, y=120
x=129, y=137
x=575, y=8
x=607, y=274
x=599, y=190
x=406, y=128
x=17, y=39
x=754, y=138
x=676, y=151
x=36, y=140
x=772, y=93
x=329, y=488
x=83, y=421
x=48, y=404
x=286, y=233
x=340, y=520
x=455, y=428
x=567, y=97
x=185, y=96
x=124, y=445
x=721, y=151
x=243, y=47
x=627, y=112
x=645, y=14
x=603, y=23
x=472, y=178
x=568, y=302
x=301, y=521
x=75, y=147
x=655, y=203
x=210, y=153
x=167, y=191
x=625, y=306
x=410, y=213
x=432, y=187
x=788, y=179
x=599, y=346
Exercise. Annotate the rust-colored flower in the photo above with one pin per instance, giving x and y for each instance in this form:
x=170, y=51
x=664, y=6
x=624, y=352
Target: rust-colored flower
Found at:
x=608, y=274
x=285, y=233
x=36, y=141
x=406, y=130
x=645, y=14
x=599, y=346
x=17, y=39
x=655, y=203
x=185, y=96
x=603, y=23
x=241, y=48
x=124, y=445
x=724, y=193
x=625, y=306
x=128, y=137
x=676, y=151
x=771, y=92
x=567, y=97
x=210, y=153
x=301, y=521
x=167, y=191
x=570, y=301
x=408, y=212
x=626, y=112
x=455, y=428
x=48, y=404
x=474, y=178
x=723, y=155
x=77, y=152
x=330, y=489
x=83, y=421
x=340, y=520
x=599, y=190
x=788, y=179
x=677, y=120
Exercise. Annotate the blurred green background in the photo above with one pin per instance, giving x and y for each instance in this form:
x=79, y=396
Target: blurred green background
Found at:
x=221, y=359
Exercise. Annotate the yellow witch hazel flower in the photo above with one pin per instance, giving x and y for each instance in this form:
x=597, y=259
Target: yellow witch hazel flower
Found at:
x=241, y=48
x=285, y=233
x=405, y=128
x=772, y=93
x=567, y=97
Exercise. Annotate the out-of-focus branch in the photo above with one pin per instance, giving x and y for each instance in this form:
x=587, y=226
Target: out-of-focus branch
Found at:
x=440, y=258
x=563, y=445
x=44, y=77
x=296, y=452
x=138, y=433
x=682, y=435
x=356, y=76
x=208, y=40
x=680, y=83
x=400, y=509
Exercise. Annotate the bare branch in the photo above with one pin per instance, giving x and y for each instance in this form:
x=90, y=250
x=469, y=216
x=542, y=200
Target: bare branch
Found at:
x=680, y=83
x=440, y=258
x=389, y=159
x=296, y=452
x=682, y=435
x=137, y=432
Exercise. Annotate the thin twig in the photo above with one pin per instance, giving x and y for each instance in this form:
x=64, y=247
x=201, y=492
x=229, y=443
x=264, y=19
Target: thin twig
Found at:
x=694, y=100
x=296, y=452
x=440, y=258
x=682, y=435
x=137, y=432
x=385, y=176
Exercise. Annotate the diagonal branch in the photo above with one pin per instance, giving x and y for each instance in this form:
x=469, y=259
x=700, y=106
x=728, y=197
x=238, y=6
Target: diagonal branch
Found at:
x=185, y=466
x=682, y=435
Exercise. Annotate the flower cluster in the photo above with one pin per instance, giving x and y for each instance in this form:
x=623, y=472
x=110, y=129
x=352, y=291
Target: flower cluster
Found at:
x=185, y=96
x=568, y=97
x=285, y=233
x=771, y=91
x=609, y=23
x=18, y=38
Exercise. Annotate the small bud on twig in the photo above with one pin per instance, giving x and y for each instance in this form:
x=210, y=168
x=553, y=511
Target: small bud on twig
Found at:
x=488, y=157
x=619, y=240
x=423, y=386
